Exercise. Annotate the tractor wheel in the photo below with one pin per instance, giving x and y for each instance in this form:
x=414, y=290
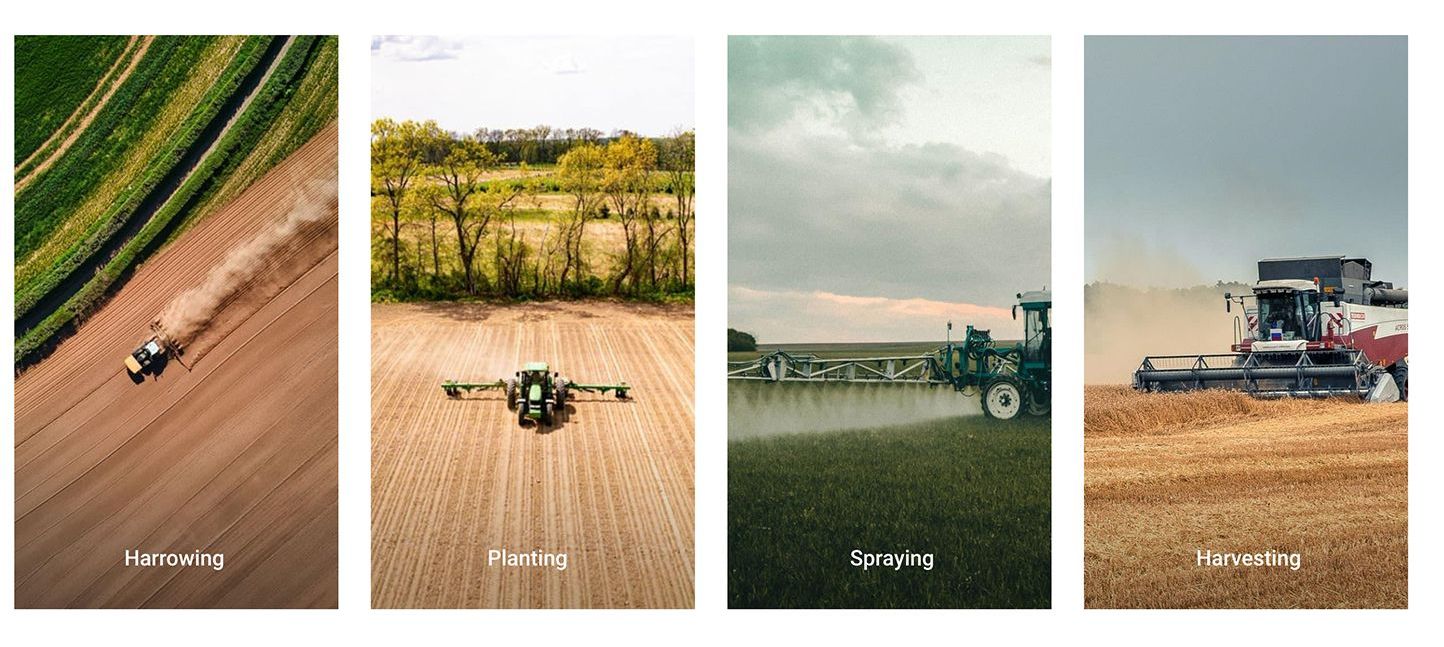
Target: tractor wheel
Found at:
x=561, y=393
x=511, y=394
x=1003, y=399
x=1401, y=379
x=1040, y=406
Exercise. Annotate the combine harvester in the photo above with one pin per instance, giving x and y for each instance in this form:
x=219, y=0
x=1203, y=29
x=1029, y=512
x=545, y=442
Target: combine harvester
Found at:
x=535, y=393
x=1011, y=379
x=1318, y=327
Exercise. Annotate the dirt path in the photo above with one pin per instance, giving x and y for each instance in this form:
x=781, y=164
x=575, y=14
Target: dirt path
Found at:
x=1167, y=475
x=236, y=455
x=612, y=485
x=22, y=182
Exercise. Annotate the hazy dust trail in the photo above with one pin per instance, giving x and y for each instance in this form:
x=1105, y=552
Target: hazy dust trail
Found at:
x=759, y=409
x=189, y=312
x=1126, y=323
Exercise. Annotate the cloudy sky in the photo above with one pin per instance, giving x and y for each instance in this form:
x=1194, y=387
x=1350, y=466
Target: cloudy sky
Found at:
x=640, y=83
x=878, y=187
x=1205, y=154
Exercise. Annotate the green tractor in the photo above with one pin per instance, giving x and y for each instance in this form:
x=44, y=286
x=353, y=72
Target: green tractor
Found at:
x=1010, y=379
x=536, y=394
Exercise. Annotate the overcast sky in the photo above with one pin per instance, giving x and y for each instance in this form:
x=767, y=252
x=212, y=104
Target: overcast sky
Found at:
x=878, y=187
x=639, y=83
x=1205, y=154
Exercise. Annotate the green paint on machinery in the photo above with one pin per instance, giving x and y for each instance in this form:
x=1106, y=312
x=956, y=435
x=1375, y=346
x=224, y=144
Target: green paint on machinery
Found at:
x=536, y=393
x=1010, y=379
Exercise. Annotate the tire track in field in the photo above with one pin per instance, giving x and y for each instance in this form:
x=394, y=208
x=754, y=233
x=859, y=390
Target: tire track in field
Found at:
x=116, y=82
x=455, y=478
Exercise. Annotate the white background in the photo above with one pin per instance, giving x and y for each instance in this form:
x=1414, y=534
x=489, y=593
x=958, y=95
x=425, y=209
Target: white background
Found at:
x=711, y=623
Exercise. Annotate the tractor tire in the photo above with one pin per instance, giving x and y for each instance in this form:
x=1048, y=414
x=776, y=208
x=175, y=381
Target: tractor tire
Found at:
x=1003, y=399
x=511, y=394
x=1401, y=379
x=137, y=378
x=1040, y=407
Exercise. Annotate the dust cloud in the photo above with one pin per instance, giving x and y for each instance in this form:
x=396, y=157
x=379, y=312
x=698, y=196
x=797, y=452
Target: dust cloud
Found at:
x=1130, y=260
x=1125, y=323
x=191, y=311
x=761, y=409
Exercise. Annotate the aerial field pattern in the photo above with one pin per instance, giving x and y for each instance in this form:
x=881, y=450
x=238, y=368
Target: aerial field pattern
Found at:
x=175, y=127
x=181, y=190
x=233, y=451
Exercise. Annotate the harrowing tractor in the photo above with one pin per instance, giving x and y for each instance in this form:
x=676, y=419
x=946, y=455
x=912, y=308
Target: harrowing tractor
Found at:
x=535, y=393
x=152, y=355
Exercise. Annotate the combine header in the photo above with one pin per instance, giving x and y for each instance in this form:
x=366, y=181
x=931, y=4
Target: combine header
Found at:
x=535, y=393
x=1011, y=379
x=1317, y=327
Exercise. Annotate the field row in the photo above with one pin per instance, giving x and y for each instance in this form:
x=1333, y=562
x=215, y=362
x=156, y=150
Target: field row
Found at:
x=247, y=118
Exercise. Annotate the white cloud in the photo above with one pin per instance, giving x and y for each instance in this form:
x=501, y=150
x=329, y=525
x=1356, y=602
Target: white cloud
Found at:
x=416, y=48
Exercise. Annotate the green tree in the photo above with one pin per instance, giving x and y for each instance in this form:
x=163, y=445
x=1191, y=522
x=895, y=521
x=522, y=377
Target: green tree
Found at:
x=459, y=174
x=679, y=161
x=395, y=162
x=630, y=161
x=580, y=171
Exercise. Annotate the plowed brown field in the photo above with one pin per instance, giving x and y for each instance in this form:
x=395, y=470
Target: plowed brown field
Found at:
x=1168, y=474
x=611, y=485
x=236, y=455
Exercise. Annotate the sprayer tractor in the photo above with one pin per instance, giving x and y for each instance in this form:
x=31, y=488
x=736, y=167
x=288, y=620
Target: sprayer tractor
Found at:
x=152, y=355
x=535, y=393
x=1313, y=327
x=1010, y=379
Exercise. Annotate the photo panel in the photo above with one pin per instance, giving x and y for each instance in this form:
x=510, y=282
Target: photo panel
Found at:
x=532, y=277
x=890, y=323
x=176, y=321
x=1247, y=324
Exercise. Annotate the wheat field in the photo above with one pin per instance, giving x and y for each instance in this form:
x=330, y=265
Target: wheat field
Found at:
x=1169, y=474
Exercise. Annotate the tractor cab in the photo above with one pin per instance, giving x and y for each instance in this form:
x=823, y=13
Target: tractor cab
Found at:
x=534, y=385
x=1286, y=314
x=150, y=355
x=1037, y=328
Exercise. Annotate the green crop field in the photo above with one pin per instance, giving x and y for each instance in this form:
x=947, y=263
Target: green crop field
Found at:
x=52, y=78
x=196, y=121
x=972, y=491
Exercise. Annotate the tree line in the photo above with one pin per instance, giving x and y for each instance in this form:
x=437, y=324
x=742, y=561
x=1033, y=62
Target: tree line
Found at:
x=471, y=245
